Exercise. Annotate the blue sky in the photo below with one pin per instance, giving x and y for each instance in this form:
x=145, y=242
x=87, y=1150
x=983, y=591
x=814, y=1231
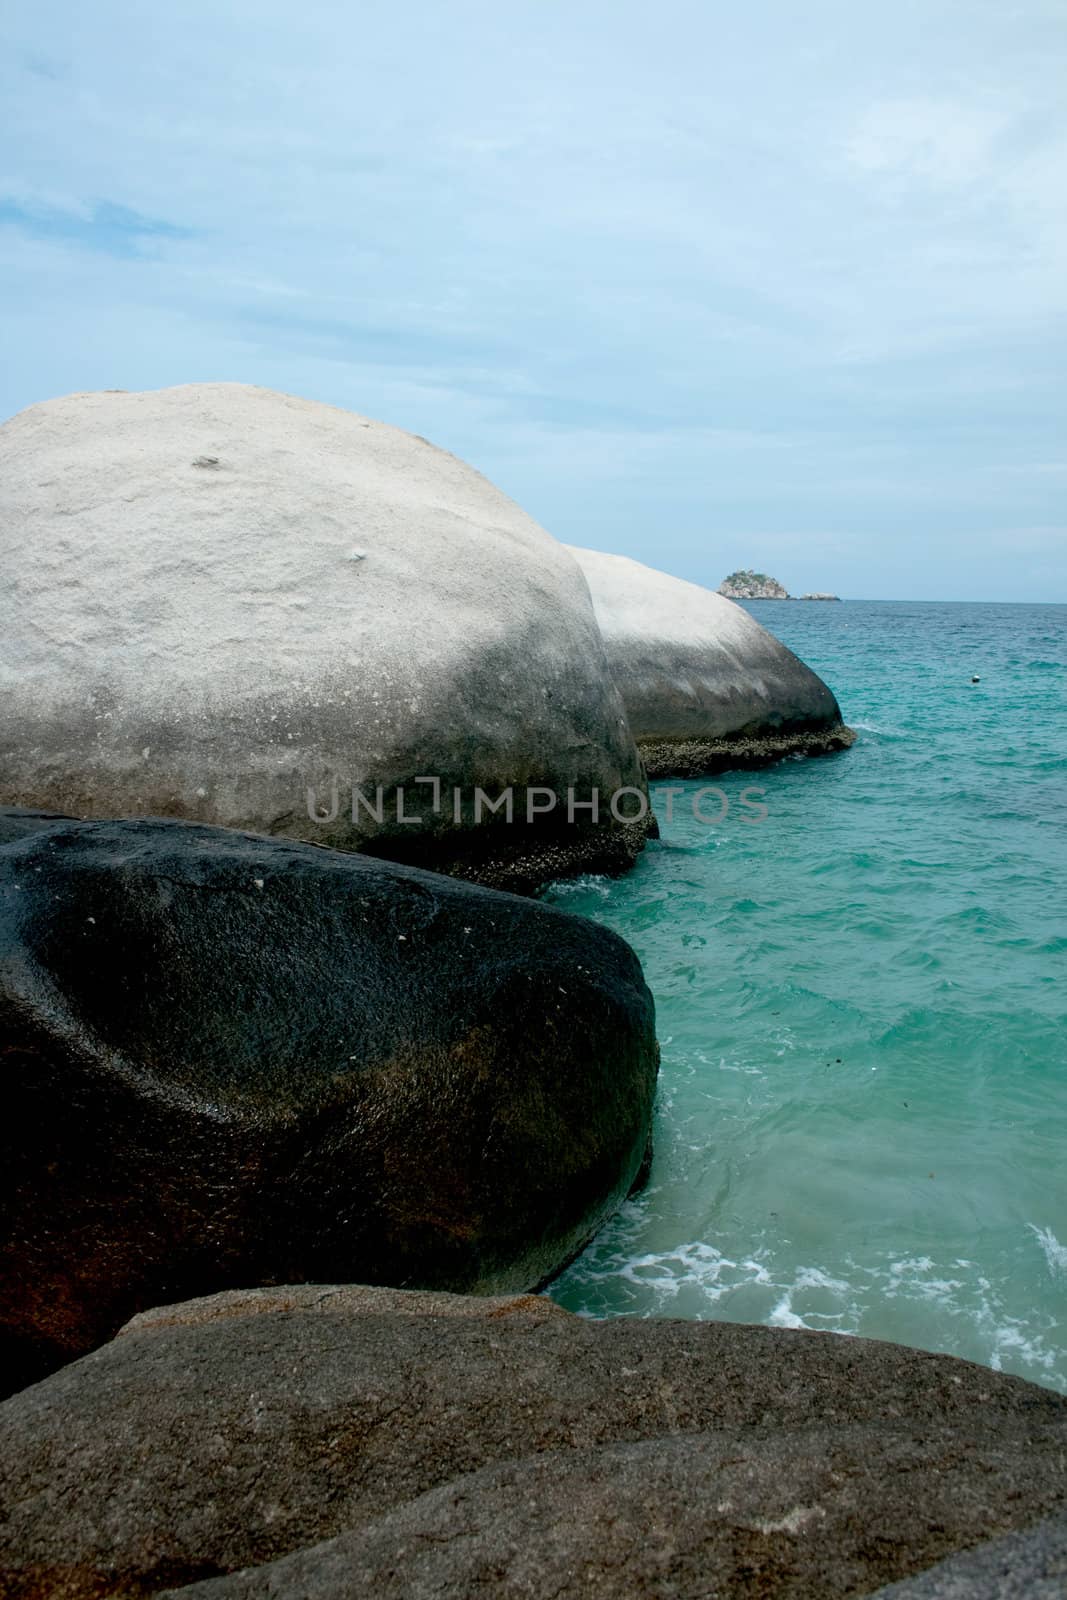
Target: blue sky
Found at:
x=769, y=285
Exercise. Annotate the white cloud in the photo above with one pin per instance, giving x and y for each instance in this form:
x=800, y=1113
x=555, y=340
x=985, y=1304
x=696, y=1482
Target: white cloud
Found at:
x=941, y=142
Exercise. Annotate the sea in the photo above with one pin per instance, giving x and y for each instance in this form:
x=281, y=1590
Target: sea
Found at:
x=861, y=1000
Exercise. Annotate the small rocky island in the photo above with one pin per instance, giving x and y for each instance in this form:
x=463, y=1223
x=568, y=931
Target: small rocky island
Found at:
x=748, y=585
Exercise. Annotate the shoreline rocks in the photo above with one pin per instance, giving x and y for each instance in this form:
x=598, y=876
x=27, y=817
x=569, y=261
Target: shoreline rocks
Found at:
x=705, y=687
x=237, y=607
x=230, y=1060
x=332, y=1441
x=693, y=758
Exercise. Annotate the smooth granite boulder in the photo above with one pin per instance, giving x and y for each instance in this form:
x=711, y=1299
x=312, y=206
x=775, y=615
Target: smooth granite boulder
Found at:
x=705, y=687
x=233, y=606
x=229, y=1060
x=339, y=1441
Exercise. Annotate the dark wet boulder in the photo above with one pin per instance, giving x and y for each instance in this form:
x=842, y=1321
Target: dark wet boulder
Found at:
x=18, y=821
x=320, y=1441
x=229, y=1060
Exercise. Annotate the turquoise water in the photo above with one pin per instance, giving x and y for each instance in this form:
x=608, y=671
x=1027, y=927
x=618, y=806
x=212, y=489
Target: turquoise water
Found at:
x=862, y=1004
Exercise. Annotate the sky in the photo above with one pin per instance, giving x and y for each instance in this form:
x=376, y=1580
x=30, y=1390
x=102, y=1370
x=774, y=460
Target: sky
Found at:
x=768, y=285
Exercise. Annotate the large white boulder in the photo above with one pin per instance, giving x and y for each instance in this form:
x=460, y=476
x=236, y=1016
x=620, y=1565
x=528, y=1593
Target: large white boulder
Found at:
x=226, y=604
x=705, y=687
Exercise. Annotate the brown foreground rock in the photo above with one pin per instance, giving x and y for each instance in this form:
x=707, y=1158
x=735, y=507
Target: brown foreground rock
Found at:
x=328, y=1442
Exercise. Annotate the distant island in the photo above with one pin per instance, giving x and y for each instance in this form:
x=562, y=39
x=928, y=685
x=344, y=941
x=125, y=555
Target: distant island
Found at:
x=749, y=585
